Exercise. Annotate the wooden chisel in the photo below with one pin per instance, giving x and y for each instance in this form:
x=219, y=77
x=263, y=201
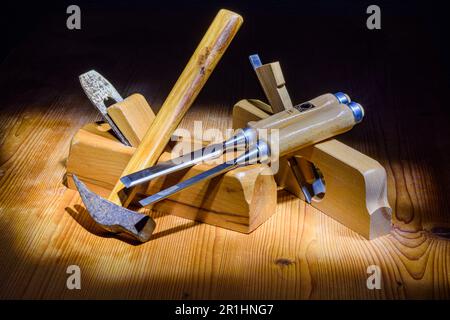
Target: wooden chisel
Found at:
x=313, y=126
x=242, y=138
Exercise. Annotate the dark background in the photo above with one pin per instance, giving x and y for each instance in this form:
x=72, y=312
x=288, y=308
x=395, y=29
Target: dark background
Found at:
x=400, y=74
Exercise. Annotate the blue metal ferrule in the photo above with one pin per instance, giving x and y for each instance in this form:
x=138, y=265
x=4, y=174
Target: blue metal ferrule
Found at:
x=358, y=111
x=255, y=61
x=342, y=97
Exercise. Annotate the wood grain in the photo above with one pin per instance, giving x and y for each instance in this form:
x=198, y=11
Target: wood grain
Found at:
x=356, y=185
x=291, y=116
x=314, y=125
x=356, y=191
x=272, y=80
x=132, y=116
x=299, y=253
x=245, y=111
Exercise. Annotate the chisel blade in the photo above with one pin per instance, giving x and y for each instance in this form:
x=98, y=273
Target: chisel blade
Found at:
x=99, y=90
x=256, y=153
x=242, y=138
x=208, y=174
x=170, y=166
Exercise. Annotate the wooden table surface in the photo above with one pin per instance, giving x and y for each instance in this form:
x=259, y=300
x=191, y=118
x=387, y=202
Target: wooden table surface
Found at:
x=397, y=73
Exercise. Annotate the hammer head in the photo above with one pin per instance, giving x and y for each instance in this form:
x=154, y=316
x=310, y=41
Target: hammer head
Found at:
x=114, y=218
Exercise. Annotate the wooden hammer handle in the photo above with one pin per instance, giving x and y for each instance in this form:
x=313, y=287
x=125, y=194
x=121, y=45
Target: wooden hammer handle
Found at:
x=208, y=53
x=315, y=125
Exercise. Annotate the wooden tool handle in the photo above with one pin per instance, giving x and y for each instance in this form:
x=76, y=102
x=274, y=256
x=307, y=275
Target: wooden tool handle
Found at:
x=289, y=116
x=196, y=73
x=314, y=126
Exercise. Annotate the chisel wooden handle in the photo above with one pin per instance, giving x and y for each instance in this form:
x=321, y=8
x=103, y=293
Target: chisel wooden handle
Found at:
x=200, y=66
x=289, y=116
x=318, y=124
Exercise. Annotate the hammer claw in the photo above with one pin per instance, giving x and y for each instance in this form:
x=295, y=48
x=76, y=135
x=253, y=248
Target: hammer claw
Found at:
x=115, y=218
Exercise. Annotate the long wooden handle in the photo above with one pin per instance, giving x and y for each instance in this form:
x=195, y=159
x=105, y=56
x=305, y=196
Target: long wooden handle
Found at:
x=291, y=115
x=315, y=125
x=194, y=76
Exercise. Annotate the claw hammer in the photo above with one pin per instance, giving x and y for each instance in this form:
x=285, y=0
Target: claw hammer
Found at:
x=111, y=214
